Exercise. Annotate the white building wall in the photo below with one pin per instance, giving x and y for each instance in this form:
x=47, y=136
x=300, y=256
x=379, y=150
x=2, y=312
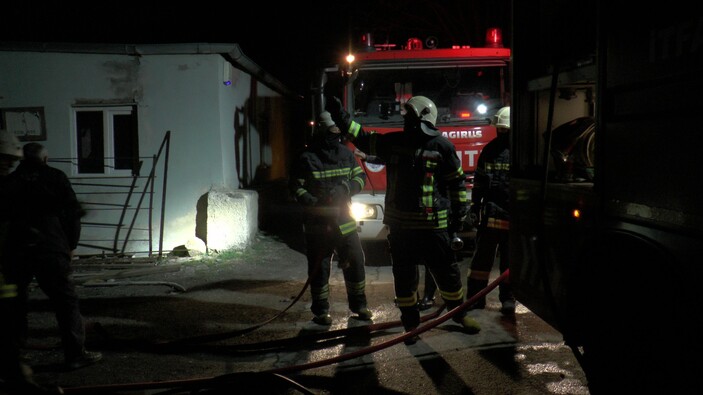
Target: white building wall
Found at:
x=183, y=94
x=233, y=99
x=56, y=81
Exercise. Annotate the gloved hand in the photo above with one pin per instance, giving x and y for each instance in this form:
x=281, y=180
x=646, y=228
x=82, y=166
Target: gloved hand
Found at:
x=434, y=156
x=308, y=200
x=339, y=115
x=339, y=194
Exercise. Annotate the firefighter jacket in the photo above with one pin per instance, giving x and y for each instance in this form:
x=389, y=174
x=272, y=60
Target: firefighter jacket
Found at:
x=425, y=181
x=323, y=180
x=490, y=193
x=44, y=213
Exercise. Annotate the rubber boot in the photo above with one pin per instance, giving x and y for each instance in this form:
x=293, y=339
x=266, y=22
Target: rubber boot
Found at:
x=320, y=309
x=470, y=325
x=357, y=305
x=507, y=300
x=473, y=287
x=410, y=318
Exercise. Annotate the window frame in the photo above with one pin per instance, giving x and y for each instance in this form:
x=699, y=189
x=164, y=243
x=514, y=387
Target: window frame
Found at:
x=108, y=114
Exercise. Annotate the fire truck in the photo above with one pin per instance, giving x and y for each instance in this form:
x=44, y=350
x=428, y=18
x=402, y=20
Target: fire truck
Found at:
x=606, y=234
x=467, y=84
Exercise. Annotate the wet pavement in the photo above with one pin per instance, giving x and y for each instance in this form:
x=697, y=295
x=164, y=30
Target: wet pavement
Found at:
x=241, y=324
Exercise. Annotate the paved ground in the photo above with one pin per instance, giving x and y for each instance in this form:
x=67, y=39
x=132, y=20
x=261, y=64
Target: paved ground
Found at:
x=242, y=318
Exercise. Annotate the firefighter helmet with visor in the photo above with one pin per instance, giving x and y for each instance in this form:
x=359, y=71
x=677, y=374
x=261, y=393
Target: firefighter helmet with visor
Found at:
x=426, y=111
x=502, y=118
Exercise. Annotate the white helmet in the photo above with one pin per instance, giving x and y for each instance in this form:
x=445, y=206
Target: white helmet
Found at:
x=9, y=144
x=426, y=111
x=502, y=118
x=325, y=120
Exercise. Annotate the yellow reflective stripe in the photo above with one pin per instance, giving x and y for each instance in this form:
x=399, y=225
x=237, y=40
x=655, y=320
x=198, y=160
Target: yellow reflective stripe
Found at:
x=406, y=302
x=416, y=220
x=498, y=223
x=427, y=193
x=348, y=227
x=300, y=192
x=356, y=171
x=498, y=166
x=322, y=293
x=417, y=216
x=331, y=173
x=458, y=173
x=354, y=129
x=458, y=295
x=428, y=184
x=8, y=291
x=359, y=181
x=356, y=288
x=459, y=195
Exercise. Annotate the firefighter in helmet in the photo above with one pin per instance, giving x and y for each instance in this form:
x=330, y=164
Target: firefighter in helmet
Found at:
x=323, y=180
x=425, y=196
x=15, y=376
x=489, y=210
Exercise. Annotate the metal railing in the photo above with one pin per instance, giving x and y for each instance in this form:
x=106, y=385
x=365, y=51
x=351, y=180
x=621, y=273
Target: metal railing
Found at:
x=106, y=193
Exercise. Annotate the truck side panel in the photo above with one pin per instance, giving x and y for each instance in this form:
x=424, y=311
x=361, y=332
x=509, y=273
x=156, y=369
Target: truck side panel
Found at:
x=613, y=262
x=652, y=106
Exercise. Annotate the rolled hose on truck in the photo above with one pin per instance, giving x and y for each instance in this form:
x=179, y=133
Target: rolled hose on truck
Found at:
x=429, y=321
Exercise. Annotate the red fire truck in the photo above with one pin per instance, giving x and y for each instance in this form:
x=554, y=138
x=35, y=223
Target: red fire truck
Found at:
x=606, y=234
x=467, y=84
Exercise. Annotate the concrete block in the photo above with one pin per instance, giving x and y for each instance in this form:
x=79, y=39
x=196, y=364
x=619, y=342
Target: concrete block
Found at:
x=227, y=219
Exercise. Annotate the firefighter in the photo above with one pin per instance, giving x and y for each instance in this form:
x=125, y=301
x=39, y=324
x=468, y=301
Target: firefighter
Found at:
x=425, y=183
x=15, y=376
x=323, y=180
x=489, y=209
x=45, y=218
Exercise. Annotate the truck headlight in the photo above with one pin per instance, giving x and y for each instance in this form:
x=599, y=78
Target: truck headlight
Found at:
x=361, y=211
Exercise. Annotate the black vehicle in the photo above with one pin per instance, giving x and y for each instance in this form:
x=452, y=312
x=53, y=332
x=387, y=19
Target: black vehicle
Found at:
x=607, y=226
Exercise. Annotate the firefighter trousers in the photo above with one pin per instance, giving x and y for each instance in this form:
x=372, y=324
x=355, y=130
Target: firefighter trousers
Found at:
x=320, y=248
x=52, y=271
x=489, y=242
x=411, y=248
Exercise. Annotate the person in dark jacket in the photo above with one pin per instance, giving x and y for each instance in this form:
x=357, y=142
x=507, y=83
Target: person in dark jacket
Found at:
x=16, y=377
x=323, y=180
x=45, y=216
x=425, y=184
x=490, y=198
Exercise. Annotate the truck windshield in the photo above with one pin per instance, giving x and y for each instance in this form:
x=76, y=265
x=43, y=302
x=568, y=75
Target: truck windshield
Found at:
x=462, y=95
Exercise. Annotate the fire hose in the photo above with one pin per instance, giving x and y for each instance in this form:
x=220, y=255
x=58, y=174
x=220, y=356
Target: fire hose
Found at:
x=429, y=321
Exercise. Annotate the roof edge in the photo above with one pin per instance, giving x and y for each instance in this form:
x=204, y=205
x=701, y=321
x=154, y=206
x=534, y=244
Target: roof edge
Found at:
x=230, y=51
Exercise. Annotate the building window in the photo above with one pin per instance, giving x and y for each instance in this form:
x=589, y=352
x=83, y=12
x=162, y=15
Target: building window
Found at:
x=106, y=140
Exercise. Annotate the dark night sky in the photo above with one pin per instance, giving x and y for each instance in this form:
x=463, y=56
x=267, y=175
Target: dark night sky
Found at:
x=288, y=40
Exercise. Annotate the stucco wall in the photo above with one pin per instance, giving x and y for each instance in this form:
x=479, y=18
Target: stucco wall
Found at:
x=214, y=142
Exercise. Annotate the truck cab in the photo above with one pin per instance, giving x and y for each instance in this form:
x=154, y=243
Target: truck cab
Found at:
x=468, y=85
